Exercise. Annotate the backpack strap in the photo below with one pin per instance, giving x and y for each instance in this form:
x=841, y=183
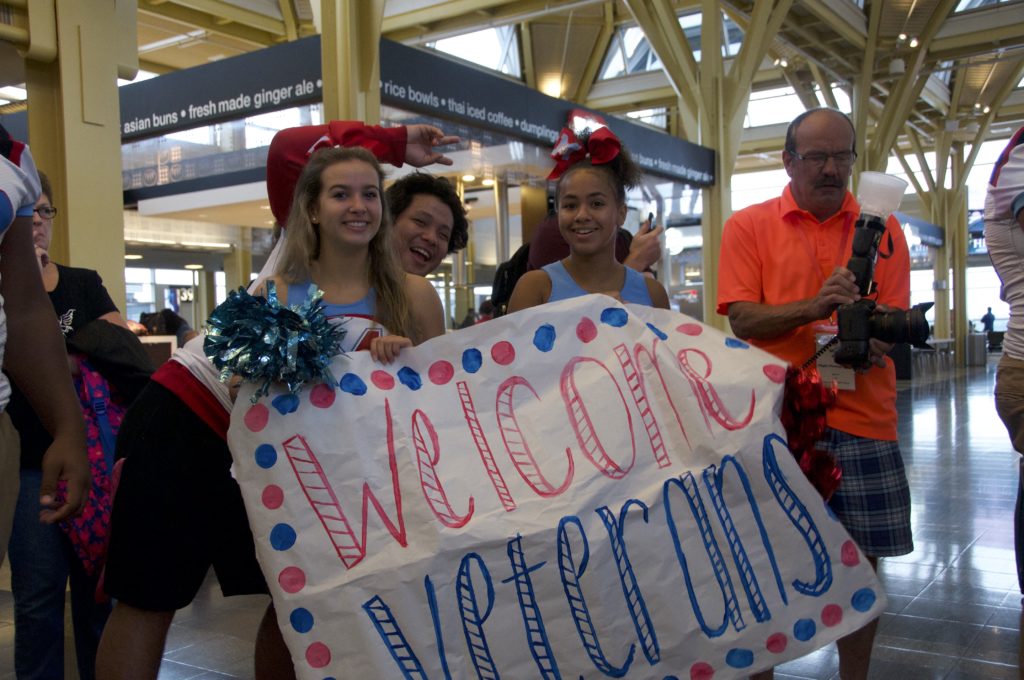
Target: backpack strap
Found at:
x=98, y=395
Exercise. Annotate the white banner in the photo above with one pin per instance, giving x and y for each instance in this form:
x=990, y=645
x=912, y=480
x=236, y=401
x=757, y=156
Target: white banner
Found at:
x=583, y=489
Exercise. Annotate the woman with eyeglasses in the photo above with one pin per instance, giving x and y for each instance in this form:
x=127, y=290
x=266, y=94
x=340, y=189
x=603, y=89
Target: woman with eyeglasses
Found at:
x=42, y=556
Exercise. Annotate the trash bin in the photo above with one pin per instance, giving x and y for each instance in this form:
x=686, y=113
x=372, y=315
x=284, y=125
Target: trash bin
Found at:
x=977, y=349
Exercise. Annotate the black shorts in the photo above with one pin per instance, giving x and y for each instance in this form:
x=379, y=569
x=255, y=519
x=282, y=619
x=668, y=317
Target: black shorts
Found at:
x=177, y=510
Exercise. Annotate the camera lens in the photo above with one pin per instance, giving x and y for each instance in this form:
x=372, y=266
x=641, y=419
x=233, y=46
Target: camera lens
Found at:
x=901, y=325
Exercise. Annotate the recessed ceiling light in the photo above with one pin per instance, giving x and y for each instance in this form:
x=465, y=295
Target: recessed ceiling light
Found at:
x=193, y=266
x=488, y=182
x=469, y=178
x=129, y=256
x=264, y=207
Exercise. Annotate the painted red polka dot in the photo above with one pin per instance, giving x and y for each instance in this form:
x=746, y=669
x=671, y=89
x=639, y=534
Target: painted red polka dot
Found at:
x=292, y=579
x=318, y=655
x=273, y=496
x=832, y=615
x=256, y=417
x=701, y=671
x=849, y=554
x=503, y=353
x=776, y=643
x=322, y=396
x=441, y=372
x=586, y=330
x=382, y=379
x=690, y=329
x=775, y=373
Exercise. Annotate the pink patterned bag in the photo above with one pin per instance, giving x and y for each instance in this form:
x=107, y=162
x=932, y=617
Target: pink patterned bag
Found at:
x=89, y=531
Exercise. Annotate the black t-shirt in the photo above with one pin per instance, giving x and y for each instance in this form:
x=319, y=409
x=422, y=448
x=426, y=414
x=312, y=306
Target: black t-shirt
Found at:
x=78, y=299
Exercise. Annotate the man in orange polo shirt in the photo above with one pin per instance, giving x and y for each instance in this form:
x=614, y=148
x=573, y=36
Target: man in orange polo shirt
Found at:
x=781, y=277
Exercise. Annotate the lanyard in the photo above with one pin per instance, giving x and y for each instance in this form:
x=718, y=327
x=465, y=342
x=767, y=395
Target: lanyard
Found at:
x=848, y=223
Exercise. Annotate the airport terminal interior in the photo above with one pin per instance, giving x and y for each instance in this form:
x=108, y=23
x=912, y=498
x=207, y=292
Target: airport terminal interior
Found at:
x=954, y=609
x=175, y=213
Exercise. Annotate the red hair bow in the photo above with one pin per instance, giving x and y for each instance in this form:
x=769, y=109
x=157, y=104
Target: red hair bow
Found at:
x=602, y=147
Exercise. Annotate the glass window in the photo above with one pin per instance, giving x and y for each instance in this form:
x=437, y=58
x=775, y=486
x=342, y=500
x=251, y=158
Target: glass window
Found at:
x=656, y=117
x=629, y=51
x=966, y=5
x=493, y=48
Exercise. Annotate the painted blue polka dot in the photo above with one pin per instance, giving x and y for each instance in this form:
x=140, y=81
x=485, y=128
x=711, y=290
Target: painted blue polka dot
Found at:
x=301, y=620
x=671, y=677
x=615, y=317
x=735, y=343
x=282, y=537
x=544, y=338
x=353, y=384
x=657, y=331
x=739, y=658
x=266, y=456
x=863, y=599
x=286, y=403
x=410, y=378
x=804, y=629
x=472, y=360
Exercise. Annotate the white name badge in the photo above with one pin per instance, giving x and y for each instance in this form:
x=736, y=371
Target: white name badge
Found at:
x=844, y=377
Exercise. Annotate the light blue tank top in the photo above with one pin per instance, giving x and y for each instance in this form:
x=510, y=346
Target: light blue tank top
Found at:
x=563, y=286
x=360, y=326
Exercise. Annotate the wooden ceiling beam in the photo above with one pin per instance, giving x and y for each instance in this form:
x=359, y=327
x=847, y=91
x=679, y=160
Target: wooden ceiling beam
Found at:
x=234, y=14
x=192, y=18
x=500, y=13
x=597, y=55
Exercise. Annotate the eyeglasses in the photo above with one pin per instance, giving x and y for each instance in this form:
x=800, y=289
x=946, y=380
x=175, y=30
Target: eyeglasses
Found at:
x=47, y=212
x=818, y=159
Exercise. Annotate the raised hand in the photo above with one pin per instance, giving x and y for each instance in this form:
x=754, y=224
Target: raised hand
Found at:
x=420, y=142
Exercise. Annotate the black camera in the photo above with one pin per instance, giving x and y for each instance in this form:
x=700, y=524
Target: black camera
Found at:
x=862, y=320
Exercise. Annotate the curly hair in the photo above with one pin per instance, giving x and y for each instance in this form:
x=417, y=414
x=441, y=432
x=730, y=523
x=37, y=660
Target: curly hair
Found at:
x=622, y=171
x=400, y=194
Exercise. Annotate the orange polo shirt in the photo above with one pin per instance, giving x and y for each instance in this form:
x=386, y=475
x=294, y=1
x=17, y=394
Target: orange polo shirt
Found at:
x=774, y=253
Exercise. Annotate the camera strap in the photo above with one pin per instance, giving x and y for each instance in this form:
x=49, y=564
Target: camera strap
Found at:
x=892, y=247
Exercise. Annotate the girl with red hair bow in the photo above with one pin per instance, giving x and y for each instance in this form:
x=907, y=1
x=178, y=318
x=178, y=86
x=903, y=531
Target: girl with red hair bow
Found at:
x=593, y=171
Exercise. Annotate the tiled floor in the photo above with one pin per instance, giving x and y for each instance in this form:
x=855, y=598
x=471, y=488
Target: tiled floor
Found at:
x=954, y=606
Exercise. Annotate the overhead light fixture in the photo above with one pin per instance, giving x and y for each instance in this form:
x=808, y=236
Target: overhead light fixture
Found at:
x=551, y=85
x=913, y=42
x=130, y=256
x=488, y=182
x=977, y=105
x=193, y=266
x=902, y=37
x=264, y=207
x=781, y=63
x=897, y=66
x=205, y=244
x=986, y=109
x=155, y=241
x=468, y=178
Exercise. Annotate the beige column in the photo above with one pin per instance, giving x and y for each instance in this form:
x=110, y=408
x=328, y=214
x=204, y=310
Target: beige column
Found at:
x=75, y=128
x=350, y=56
x=956, y=234
x=238, y=263
x=205, y=296
x=943, y=261
x=533, y=207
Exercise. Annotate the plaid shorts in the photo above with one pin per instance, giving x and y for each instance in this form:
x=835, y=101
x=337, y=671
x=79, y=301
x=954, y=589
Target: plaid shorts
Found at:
x=873, y=498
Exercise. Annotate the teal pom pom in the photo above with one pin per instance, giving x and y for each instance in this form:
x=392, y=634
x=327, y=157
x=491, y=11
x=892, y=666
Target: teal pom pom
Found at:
x=263, y=341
